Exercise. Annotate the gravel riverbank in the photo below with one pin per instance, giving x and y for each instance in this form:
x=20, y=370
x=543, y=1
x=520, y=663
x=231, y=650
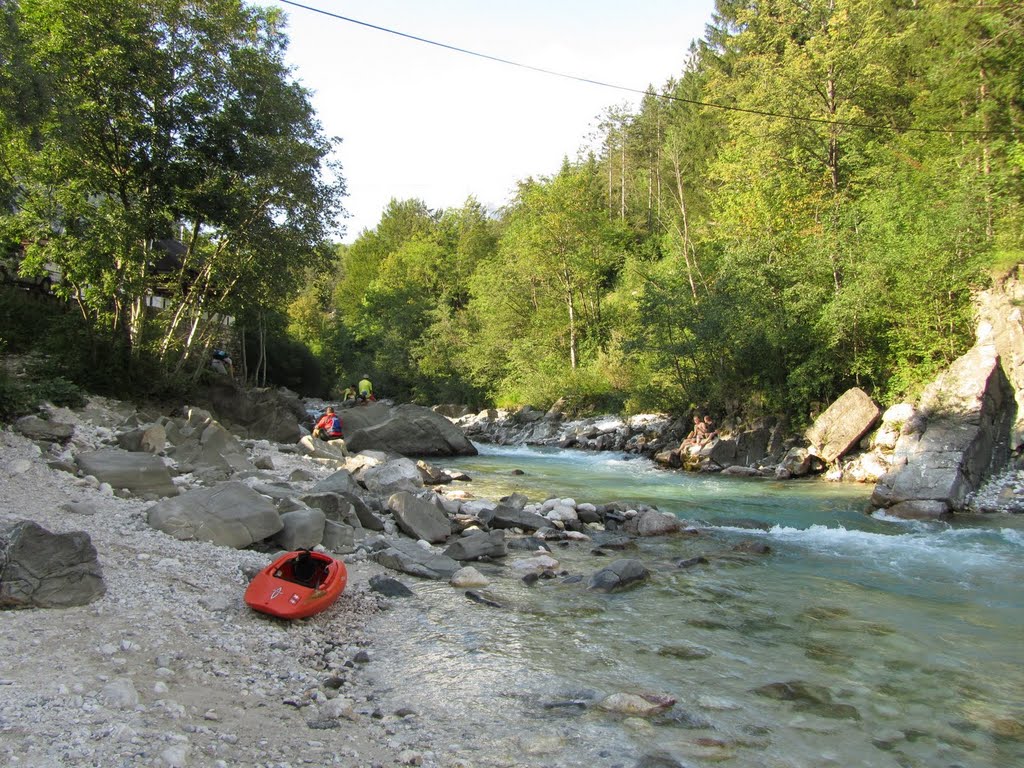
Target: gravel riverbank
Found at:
x=169, y=667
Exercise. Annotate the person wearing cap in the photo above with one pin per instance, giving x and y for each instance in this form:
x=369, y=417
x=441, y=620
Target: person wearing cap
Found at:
x=365, y=388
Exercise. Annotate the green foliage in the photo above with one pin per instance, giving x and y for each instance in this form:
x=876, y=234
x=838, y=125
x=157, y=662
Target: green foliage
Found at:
x=747, y=261
x=160, y=119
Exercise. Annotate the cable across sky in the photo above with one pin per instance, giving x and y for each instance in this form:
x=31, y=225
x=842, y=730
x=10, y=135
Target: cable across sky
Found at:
x=627, y=89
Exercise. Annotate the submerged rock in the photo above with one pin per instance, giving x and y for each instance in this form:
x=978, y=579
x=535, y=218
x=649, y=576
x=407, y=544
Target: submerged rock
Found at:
x=637, y=704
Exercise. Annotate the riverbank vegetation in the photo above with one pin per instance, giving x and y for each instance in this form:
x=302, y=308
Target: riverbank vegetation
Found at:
x=807, y=206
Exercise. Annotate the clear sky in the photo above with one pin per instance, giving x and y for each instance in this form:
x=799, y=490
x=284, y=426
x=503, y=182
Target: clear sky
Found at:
x=419, y=121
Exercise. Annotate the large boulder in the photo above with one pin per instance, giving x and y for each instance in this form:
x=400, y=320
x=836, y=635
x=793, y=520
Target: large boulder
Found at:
x=39, y=569
x=141, y=473
x=419, y=519
x=269, y=414
x=478, y=546
x=1001, y=323
x=302, y=528
x=843, y=424
x=407, y=556
x=393, y=476
x=959, y=435
x=410, y=430
x=230, y=514
x=43, y=430
x=619, y=575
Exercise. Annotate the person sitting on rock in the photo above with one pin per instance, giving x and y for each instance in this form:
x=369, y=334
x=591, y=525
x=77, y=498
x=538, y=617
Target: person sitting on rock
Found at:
x=710, y=433
x=350, y=394
x=329, y=426
x=365, y=388
x=696, y=436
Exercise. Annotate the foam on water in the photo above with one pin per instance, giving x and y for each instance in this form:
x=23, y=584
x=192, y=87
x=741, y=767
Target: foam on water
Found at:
x=955, y=549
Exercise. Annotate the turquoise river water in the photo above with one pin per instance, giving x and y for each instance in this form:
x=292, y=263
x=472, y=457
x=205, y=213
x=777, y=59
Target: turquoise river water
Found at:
x=902, y=642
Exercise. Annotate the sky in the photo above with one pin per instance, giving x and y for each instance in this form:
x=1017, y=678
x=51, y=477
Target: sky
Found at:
x=420, y=121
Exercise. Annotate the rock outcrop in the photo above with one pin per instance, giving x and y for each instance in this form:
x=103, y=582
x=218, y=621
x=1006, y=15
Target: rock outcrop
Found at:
x=958, y=436
x=1001, y=323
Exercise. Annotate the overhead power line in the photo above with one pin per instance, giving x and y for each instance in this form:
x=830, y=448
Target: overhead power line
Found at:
x=627, y=89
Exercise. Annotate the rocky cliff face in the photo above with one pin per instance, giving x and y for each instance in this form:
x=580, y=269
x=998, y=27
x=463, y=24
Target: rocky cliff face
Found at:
x=1001, y=324
x=957, y=438
x=968, y=421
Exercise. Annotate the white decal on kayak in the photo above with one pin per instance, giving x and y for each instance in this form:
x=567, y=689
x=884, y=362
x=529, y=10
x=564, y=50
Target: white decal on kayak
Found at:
x=294, y=600
x=275, y=593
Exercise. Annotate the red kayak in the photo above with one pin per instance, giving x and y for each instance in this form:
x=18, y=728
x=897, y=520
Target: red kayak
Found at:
x=296, y=585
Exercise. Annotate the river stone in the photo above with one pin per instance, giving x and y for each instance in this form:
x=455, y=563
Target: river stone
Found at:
x=478, y=545
x=151, y=439
x=468, y=577
x=338, y=482
x=230, y=514
x=141, y=473
x=35, y=428
x=39, y=569
x=334, y=506
x=393, y=476
x=843, y=424
x=321, y=450
x=301, y=529
x=506, y=516
x=389, y=587
x=408, y=557
x=419, y=519
x=651, y=522
x=338, y=537
x=368, y=519
x=618, y=575
x=637, y=704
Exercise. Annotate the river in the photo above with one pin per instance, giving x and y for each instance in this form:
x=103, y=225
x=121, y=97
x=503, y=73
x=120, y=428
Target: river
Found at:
x=899, y=643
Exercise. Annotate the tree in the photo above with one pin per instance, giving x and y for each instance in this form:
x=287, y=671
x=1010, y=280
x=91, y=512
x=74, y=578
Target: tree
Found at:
x=167, y=117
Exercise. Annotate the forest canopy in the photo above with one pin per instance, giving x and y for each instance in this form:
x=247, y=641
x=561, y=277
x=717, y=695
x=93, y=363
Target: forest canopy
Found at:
x=808, y=205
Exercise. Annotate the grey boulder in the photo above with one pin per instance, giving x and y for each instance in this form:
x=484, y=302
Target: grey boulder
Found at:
x=619, y=575
x=35, y=428
x=393, y=476
x=39, y=569
x=301, y=529
x=410, y=430
x=419, y=519
x=230, y=514
x=478, y=545
x=140, y=473
x=843, y=424
x=407, y=556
